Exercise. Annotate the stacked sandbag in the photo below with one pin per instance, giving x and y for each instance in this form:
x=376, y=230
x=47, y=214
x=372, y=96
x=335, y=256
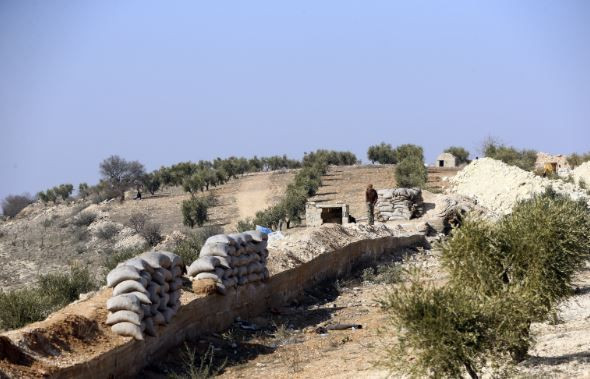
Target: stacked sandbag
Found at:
x=232, y=260
x=146, y=293
x=399, y=204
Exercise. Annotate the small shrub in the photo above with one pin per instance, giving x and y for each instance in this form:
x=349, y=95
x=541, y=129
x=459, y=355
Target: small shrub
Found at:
x=107, y=231
x=113, y=258
x=63, y=288
x=81, y=234
x=137, y=221
x=21, y=307
x=152, y=233
x=194, y=211
x=196, y=366
x=411, y=172
x=246, y=224
x=190, y=247
x=85, y=218
x=582, y=183
x=13, y=204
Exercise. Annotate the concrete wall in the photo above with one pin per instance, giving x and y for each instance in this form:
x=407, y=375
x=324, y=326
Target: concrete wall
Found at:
x=216, y=313
x=313, y=213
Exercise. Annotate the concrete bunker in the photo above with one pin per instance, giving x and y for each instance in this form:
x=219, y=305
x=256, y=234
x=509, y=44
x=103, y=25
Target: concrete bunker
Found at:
x=317, y=214
x=446, y=160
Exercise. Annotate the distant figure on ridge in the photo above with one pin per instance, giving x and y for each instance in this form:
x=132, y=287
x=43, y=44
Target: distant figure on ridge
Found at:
x=371, y=199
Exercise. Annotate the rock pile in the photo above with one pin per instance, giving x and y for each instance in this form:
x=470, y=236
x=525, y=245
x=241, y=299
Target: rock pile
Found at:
x=582, y=172
x=399, y=204
x=232, y=260
x=498, y=186
x=146, y=293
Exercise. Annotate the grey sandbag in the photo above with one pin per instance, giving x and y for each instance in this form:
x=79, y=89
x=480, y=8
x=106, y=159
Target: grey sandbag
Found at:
x=156, y=259
x=221, y=238
x=255, y=268
x=158, y=278
x=138, y=263
x=176, y=271
x=175, y=259
x=176, y=307
x=243, y=270
x=147, y=310
x=124, y=316
x=265, y=273
x=150, y=328
x=165, y=288
x=216, y=249
x=155, y=298
x=176, y=284
x=142, y=297
x=165, y=273
x=125, y=302
x=158, y=318
x=127, y=286
x=202, y=264
x=253, y=277
x=164, y=299
x=122, y=273
x=168, y=314
x=145, y=276
x=257, y=235
x=242, y=280
x=231, y=282
x=154, y=288
x=238, y=238
x=174, y=298
x=224, y=262
x=221, y=288
x=155, y=308
x=128, y=329
x=208, y=275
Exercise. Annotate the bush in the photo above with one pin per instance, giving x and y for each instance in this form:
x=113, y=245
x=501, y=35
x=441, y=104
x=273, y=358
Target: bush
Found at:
x=382, y=153
x=113, y=258
x=83, y=190
x=137, y=221
x=194, y=211
x=152, y=233
x=190, y=247
x=13, y=204
x=410, y=172
x=525, y=159
x=409, y=151
x=577, y=159
x=107, y=231
x=460, y=153
x=151, y=182
x=53, y=291
x=85, y=218
x=245, y=225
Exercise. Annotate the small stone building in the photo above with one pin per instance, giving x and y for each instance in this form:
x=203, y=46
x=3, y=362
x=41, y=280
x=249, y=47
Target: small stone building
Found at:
x=317, y=214
x=446, y=160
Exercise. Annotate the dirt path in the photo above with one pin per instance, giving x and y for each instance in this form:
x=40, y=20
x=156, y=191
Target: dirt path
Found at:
x=253, y=195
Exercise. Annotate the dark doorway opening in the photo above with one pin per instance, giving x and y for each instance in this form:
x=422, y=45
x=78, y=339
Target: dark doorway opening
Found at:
x=332, y=215
x=441, y=163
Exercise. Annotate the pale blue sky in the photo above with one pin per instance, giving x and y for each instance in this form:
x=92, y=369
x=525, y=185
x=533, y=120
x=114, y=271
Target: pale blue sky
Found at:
x=167, y=81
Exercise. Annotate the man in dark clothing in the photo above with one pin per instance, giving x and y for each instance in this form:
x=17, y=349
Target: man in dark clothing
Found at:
x=371, y=199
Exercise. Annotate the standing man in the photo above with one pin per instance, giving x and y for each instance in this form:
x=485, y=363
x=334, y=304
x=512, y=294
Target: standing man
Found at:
x=371, y=199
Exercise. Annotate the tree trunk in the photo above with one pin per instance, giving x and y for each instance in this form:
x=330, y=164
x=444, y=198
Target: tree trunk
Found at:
x=471, y=371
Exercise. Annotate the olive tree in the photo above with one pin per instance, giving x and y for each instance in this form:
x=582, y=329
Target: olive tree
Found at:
x=121, y=174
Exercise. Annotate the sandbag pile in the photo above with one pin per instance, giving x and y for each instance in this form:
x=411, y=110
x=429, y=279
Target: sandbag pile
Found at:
x=146, y=293
x=399, y=204
x=232, y=260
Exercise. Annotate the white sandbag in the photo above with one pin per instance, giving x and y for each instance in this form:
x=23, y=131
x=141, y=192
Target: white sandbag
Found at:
x=158, y=318
x=122, y=273
x=158, y=277
x=224, y=262
x=202, y=264
x=156, y=259
x=175, y=259
x=176, y=271
x=176, y=284
x=220, y=238
x=257, y=235
x=216, y=249
x=150, y=328
x=125, y=302
x=138, y=263
x=124, y=316
x=127, y=286
x=128, y=329
x=246, y=237
x=208, y=275
x=143, y=298
x=238, y=238
x=174, y=298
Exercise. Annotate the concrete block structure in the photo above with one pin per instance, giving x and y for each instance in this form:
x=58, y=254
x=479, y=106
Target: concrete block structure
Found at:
x=317, y=214
x=446, y=160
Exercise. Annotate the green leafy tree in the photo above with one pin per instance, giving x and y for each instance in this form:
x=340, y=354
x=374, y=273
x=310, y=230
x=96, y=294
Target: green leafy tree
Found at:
x=83, y=190
x=409, y=151
x=121, y=174
x=151, y=182
x=410, y=172
x=460, y=153
x=524, y=159
x=64, y=191
x=194, y=211
x=575, y=159
x=194, y=183
x=382, y=153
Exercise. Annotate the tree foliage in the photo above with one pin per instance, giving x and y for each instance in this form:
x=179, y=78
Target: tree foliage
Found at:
x=121, y=174
x=460, y=153
x=410, y=172
x=194, y=211
x=525, y=159
x=575, y=159
x=13, y=204
x=382, y=153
